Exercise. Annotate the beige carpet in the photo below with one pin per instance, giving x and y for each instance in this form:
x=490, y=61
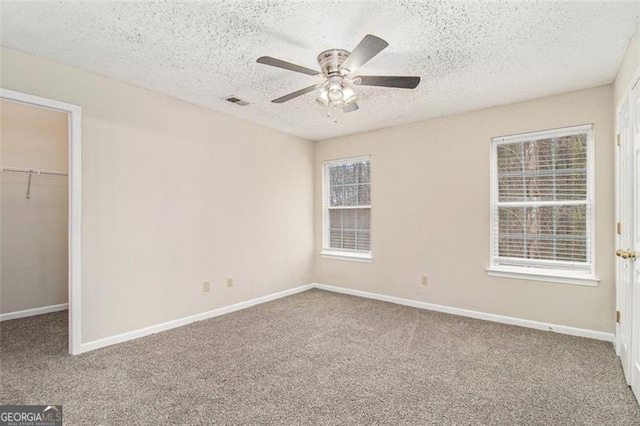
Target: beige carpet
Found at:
x=320, y=358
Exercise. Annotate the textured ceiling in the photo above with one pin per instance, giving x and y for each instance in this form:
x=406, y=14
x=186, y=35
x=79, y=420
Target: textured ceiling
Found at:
x=470, y=55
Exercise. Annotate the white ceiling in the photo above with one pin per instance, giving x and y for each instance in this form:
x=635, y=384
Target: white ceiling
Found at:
x=470, y=55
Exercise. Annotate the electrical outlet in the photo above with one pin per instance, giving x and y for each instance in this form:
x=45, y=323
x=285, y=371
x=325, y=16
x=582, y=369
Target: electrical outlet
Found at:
x=206, y=285
x=424, y=280
x=229, y=281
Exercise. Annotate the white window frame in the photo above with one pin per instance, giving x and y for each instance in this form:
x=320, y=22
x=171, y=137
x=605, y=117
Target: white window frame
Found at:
x=332, y=253
x=537, y=270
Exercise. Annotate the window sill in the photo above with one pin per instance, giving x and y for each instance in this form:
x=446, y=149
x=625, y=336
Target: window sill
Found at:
x=341, y=255
x=518, y=273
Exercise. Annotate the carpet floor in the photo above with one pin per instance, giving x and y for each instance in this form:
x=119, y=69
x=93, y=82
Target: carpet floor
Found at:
x=320, y=358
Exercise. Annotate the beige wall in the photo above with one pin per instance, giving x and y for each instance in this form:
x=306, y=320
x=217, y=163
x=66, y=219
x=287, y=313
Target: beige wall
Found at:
x=33, y=232
x=430, y=212
x=628, y=68
x=173, y=195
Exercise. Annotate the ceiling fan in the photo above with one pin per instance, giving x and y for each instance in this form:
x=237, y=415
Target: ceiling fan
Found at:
x=339, y=68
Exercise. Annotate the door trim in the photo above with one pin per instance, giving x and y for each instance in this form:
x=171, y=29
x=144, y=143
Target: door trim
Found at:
x=617, y=214
x=75, y=205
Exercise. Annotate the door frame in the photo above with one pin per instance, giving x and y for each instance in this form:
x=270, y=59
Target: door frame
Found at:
x=74, y=113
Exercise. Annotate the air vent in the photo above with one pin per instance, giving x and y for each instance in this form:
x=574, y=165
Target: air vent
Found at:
x=237, y=101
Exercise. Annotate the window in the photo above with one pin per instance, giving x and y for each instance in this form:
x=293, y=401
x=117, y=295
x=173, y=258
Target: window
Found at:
x=542, y=205
x=347, y=208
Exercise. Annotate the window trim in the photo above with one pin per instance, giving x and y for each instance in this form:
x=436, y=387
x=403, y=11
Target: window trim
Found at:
x=557, y=275
x=326, y=251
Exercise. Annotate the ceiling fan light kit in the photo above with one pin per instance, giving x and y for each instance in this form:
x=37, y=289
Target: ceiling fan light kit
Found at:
x=336, y=93
x=338, y=67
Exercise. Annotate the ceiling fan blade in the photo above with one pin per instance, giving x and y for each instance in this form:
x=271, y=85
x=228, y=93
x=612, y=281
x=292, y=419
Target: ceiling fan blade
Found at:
x=349, y=108
x=268, y=60
x=369, y=47
x=401, y=82
x=293, y=95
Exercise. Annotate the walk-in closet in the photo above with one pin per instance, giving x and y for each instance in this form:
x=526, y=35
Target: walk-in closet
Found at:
x=34, y=164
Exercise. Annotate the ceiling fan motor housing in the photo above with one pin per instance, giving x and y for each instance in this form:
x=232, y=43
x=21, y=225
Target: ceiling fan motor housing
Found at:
x=337, y=91
x=331, y=60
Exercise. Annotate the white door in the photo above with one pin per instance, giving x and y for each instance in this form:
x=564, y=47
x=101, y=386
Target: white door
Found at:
x=624, y=234
x=635, y=245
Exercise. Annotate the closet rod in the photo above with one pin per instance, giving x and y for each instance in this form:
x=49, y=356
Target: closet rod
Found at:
x=31, y=171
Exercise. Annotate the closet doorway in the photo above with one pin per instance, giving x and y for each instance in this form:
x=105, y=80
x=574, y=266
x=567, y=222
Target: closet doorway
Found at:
x=40, y=210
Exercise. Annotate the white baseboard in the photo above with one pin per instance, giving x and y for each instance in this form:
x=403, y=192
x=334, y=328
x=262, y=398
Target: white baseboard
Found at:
x=130, y=335
x=562, y=329
x=120, y=338
x=34, y=311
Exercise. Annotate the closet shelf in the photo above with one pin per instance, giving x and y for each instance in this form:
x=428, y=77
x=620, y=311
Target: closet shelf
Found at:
x=31, y=171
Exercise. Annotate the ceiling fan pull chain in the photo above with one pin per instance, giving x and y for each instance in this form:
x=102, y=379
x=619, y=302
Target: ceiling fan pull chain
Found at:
x=336, y=112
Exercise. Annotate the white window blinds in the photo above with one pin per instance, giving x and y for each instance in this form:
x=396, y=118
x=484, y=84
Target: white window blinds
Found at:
x=542, y=200
x=347, y=207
